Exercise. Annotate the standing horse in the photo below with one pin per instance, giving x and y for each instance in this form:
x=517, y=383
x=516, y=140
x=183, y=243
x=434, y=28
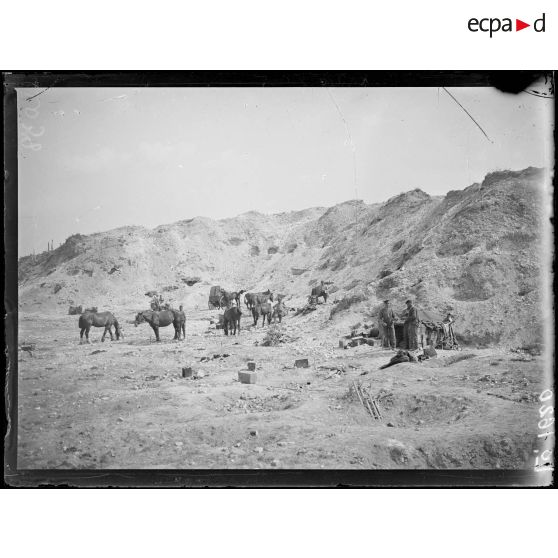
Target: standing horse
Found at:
x=264, y=310
x=231, y=320
x=237, y=297
x=227, y=298
x=319, y=291
x=251, y=299
x=98, y=319
x=163, y=318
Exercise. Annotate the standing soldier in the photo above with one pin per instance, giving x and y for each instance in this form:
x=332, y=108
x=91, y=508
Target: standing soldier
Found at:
x=387, y=319
x=182, y=322
x=410, y=328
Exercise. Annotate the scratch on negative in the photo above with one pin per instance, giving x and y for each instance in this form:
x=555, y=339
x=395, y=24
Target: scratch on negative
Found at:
x=39, y=93
x=353, y=148
x=468, y=114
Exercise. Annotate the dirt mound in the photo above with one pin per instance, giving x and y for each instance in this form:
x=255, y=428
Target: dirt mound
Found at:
x=474, y=252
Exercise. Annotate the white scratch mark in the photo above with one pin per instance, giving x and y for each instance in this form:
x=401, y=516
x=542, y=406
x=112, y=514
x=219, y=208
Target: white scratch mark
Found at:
x=349, y=137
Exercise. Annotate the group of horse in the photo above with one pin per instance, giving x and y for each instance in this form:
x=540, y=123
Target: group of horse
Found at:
x=259, y=304
x=156, y=319
x=225, y=299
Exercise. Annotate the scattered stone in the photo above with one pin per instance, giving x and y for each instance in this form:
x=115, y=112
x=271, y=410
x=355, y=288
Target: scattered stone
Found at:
x=200, y=374
x=237, y=445
x=259, y=450
x=253, y=432
x=178, y=444
x=247, y=377
x=301, y=363
x=120, y=419
x=430, y=351
x=390, y=424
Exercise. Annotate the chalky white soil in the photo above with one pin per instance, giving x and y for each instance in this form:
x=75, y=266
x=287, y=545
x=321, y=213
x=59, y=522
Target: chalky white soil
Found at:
x=124, y=404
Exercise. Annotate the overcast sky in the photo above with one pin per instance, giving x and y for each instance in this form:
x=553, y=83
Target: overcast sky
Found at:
x=100, y=158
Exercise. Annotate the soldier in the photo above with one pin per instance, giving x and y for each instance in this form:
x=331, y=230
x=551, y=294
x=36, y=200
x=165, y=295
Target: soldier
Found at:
x=410, y=328
x=182, y=322
x=387, y=319
x=448, y=330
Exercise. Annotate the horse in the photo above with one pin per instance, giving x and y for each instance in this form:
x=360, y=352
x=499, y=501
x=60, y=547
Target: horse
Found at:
x=163, y=318
x=227, y=298
x=319, y=291
x=237, y=297
x=251, y=299
x=98, y=319
x=262, y=309
x=279, y=311
x=231, y=320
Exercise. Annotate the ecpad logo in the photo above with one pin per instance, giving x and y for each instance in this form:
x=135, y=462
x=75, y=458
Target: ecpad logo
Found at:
x=494, y=24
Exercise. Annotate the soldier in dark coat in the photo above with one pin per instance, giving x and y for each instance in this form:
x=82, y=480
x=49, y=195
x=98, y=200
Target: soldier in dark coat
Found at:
x=386, y=319
x=410, y=328
x=180, y=318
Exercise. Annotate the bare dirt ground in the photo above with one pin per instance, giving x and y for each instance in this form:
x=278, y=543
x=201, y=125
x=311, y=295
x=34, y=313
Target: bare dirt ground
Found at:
x=124, y=404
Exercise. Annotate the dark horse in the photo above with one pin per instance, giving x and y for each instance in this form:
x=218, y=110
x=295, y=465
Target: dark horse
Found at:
x=231, y=320
x=319, y=291
x=264, y=310
x=163, y=318
x=227, y=298
x=251, y=299
x=98, y=319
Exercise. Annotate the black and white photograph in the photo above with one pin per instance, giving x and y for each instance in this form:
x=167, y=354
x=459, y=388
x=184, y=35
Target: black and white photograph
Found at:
x=317, y=277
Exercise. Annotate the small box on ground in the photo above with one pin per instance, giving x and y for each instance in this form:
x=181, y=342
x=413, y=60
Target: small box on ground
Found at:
x=356, y=341
x=301, y=363
x=247, y=377
x=343, y=343
x=187, y=372
x=251, y=366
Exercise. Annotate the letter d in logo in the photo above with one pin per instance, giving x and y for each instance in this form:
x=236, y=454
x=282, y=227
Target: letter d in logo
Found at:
x=539, y=24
